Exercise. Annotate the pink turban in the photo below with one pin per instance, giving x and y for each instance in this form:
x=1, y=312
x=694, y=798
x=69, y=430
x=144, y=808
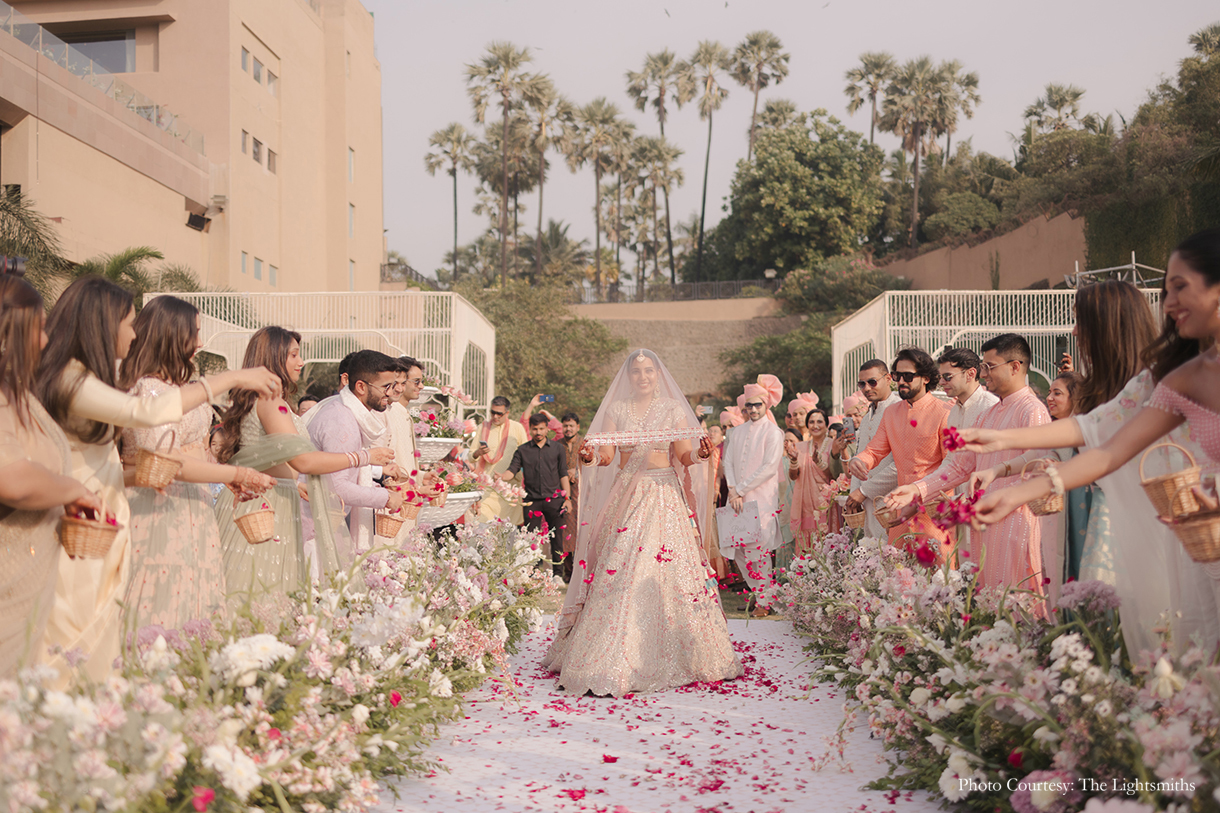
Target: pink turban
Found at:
x=773, y=387
x=835, y=419
x=808, y=400
x=851, y=402
x=732, y=416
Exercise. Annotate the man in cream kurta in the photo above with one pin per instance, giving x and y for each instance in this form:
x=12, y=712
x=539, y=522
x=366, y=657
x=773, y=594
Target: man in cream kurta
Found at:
x=751, y=469
x=492, y=452
x=877, y=388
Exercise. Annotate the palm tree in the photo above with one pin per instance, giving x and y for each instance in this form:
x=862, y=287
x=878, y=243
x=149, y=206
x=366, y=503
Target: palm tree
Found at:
x=550, y=116
x=1058, y=105
x=598, y=126
x=758, y=62
x=710, y=60
x=1206, y=41
x=125, y=268
x=25, y=232
x=655, y=159
x=660, y=81
x=622, y=151
x=559, y=256
x=455, y=147
x=866, y=80
x=522, y=169
x=959, y=93
x=912, y=102
x=501, y=73
x=778, y=114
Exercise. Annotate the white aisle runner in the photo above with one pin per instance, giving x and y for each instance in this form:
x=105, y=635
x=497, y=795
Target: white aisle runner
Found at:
x=750, y=745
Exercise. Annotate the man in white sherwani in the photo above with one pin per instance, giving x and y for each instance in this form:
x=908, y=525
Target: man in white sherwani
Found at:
x=877, y=388
x=751, y=469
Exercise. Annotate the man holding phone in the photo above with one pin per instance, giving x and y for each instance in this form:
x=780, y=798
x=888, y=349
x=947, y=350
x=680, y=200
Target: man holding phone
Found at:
x=498, y=440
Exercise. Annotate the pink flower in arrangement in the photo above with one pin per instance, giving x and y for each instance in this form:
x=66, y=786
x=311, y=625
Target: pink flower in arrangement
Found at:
x=1016, y=760
x=469, y=426
x=925, y=555
x=395, y=699
x=899, y=650
x=952, y=440
x=453, y=479
x=273, y=734
x=202, y=797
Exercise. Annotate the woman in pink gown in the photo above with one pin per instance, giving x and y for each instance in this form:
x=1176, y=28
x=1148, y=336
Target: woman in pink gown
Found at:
x=641, y=614
x=809, y=469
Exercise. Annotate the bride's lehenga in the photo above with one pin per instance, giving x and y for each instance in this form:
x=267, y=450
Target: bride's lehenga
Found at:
x=650, y=619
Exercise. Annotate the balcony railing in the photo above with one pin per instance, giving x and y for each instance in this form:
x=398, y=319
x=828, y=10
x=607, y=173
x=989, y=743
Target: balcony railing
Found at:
x=38, y=39
x=401, y=272
x=682, y=292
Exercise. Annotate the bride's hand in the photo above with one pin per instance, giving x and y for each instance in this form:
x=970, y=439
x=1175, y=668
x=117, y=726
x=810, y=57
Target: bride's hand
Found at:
x=705, y=447
x=586, y=454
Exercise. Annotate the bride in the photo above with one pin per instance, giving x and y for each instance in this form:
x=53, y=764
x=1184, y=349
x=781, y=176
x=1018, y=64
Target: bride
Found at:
x=641, y=614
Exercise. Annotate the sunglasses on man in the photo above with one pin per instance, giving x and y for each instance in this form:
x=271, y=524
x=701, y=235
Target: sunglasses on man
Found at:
x=755, y=405
x=906, y=378
x=868, y=382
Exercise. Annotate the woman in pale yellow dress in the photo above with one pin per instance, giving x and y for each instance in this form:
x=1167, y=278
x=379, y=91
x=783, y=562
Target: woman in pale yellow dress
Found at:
x=90, y=331
x=34, y=486
x=177, y=573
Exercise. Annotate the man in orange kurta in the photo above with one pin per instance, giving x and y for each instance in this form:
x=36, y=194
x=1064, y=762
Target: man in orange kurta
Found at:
x=911, y=432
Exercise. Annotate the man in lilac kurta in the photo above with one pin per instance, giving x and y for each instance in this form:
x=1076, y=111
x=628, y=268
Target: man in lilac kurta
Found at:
x=1010, y=552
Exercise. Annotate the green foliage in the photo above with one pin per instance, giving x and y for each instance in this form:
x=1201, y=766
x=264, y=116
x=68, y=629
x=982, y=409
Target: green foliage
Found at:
x=25, y=232
x=962, y=213
x=811, y=193
x=542, y=348
x=800, y=359
x=838, y=285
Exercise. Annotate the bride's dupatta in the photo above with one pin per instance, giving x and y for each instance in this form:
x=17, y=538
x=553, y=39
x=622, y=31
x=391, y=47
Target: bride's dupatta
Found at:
x=606, y=491
x=279, y=564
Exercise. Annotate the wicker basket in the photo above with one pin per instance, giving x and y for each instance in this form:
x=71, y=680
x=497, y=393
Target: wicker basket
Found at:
x=856, y=520
x=887, y=516
x=87, y=538
x=410, y=510
x=155, y=470
x=257, y=526
x=1200, y=535
x=1043, y=506
x=1171, y=494
x=387, y=525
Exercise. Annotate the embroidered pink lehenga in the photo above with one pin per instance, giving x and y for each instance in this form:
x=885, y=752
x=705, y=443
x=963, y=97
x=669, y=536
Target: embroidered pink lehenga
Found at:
x=641, y=614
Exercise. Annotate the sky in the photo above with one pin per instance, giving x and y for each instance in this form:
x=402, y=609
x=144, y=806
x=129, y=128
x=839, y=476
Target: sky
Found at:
x=1117, y=50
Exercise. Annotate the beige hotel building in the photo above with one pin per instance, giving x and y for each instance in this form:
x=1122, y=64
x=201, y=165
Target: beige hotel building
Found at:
x=242, y=138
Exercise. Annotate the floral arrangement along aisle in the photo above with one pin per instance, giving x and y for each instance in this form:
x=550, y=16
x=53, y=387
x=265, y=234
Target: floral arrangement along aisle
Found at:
x=302, y=703
x=995, y=708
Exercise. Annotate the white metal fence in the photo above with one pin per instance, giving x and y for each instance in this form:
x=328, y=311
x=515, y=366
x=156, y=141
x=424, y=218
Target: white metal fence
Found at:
x=448, y=335
x=935, y=320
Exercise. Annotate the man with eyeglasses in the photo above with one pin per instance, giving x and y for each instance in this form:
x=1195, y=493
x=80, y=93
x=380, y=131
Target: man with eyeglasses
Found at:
x=493, y=450
x=348, y=423
x=876, y=387
x=911, y=432
x=1014, y=545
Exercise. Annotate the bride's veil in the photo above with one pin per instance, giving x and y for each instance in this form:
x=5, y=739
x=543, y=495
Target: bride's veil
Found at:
x=602, y=487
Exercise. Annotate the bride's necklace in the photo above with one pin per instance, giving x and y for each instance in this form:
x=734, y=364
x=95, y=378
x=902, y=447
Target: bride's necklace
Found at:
x=640, y=422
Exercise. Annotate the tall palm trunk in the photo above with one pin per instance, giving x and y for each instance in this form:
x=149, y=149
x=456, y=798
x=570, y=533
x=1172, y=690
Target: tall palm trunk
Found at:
x=656, y=236
x=872, y=122
x=538, y=239
x=703, y=208
x=948, y=140
x=618, y=219
x=455, y=222
x=753, y=124
x=516, y=231
x=597, y=233
x=915, y=197
x=504, y=200
x=669, y=235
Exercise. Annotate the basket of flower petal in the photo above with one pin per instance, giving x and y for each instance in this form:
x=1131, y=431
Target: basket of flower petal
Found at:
x=156, y=470
x=1042, y=506
x=856, y=520
x=257, y=526
x=1172, y=494
x=388, y=525
x=888, y=517
x=1199, y=533
x=86, y=536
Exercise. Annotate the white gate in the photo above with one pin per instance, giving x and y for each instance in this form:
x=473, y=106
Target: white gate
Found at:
x=935, y=320
x=449, y=336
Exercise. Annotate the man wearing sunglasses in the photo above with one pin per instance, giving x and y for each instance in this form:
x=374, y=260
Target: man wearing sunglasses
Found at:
x=1013, y=546
x=492, y=452
x=349, y=423
x=877, y=388
x=911, y=431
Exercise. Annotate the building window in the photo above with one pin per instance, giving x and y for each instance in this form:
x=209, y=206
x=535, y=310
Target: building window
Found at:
x=243, y=262
x=351, y=275
x=114, y=51
x=351, y=165
x=273, y=82
x=245, y=138
x=258, y=71
x=351, y=220
x=271, y=156
x=272, y=272
x=258, y=268
x=257, y=152
x=245, y=60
